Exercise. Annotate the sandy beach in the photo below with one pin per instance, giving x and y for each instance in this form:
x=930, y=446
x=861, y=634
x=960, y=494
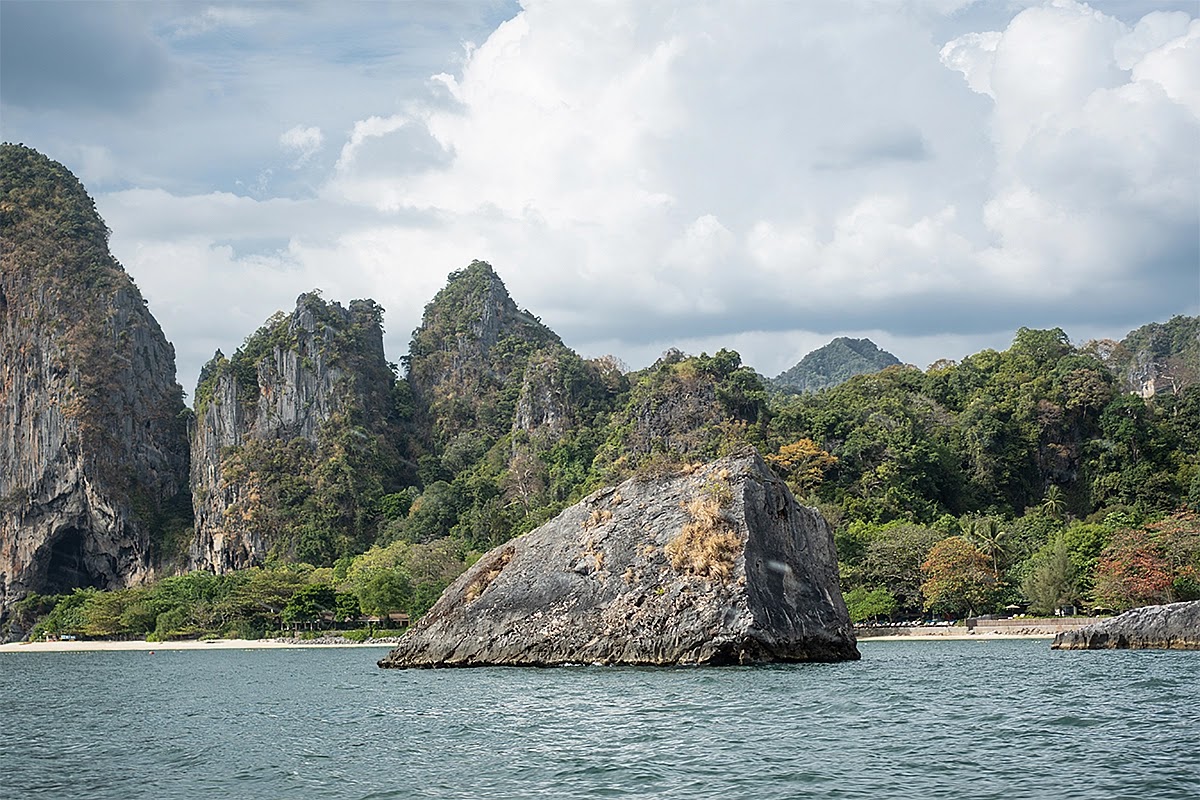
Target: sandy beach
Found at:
x=205, y=644
x=274, y=644
x=939, y=637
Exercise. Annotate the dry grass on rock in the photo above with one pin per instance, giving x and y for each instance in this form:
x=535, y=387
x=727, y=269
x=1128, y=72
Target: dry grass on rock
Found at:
x=488, y=574
x=706, y=546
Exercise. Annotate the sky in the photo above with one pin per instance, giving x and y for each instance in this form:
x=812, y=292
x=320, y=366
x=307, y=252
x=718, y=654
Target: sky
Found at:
x=754, y=174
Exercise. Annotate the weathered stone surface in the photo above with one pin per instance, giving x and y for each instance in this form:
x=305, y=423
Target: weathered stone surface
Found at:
x=93, y=442
x=1175, y=626
x=318, y=369
x=719, y=566
x=468, y=358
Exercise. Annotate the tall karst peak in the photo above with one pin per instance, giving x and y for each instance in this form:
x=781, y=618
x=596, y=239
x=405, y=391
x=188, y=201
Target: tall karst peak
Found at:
x=93, y=442
x=296, y=434
x=835, y=363
x=468, y=358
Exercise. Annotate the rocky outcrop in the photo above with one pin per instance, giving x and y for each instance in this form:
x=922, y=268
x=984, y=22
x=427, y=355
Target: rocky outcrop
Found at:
x=496, y=392
x=93, y=442
x=1175, y=626
x=307, y=391
x=1159, y=358
x=718, y=565
x=467, y=361
x=683, y=409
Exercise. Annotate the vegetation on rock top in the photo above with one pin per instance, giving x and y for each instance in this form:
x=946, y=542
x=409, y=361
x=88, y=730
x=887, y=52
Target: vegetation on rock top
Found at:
x=836, y=362
x=1028, y=477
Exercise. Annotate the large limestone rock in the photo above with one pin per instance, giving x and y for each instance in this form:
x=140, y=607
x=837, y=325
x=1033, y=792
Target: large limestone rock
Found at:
x=716, y=566
x=93, y=442
x=1175, y=626
x=307, y=388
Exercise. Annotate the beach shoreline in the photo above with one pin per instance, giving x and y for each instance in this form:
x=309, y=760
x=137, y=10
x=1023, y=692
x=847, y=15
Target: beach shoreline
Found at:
x=953, y=637
x=277, y=644
x=78, y=646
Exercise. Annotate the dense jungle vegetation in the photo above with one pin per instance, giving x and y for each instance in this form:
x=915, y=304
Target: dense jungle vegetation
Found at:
x=1030, y=478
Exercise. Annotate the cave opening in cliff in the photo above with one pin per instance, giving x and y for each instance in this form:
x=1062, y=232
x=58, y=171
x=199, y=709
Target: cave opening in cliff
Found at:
x=67, y=569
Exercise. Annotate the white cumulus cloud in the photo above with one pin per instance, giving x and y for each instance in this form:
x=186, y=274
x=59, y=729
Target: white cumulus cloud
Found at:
x=302, y=142
x=762, y=175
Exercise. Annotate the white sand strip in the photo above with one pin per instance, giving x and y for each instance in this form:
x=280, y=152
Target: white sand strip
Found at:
x=205, y=644
x=956, y=637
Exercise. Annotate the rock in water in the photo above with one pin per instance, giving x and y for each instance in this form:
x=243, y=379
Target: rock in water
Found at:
x=1175, y=626
x=716, y=566
x=93, y=432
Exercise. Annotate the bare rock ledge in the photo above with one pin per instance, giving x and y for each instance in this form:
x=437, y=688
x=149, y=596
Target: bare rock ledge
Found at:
x=716, y=566
x=1175, y=626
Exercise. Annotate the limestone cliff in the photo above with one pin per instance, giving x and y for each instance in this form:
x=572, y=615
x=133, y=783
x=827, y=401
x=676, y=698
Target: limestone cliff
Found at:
x=296, y=439
x=466, y=362
x=717, y=565
x=1175, y=626
x=93, y=443
x=1159, y=358
x=497, y=394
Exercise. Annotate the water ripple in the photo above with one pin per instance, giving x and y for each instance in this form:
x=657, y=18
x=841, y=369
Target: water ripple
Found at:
x=972, y=720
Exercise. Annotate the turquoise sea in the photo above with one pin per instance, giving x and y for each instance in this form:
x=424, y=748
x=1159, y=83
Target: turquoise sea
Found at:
x=962, y=719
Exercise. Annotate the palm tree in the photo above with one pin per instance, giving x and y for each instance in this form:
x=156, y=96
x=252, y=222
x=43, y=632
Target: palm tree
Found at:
x=1053, y=503
x=987, y=535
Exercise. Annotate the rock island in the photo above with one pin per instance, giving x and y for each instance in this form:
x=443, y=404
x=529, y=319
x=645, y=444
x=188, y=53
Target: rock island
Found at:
x=715, y=565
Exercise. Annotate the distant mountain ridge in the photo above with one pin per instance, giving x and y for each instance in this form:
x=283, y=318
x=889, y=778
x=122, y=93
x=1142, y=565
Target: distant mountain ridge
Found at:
x=836, y=362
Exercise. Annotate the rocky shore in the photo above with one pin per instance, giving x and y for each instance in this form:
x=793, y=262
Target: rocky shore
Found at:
x=1169, y=627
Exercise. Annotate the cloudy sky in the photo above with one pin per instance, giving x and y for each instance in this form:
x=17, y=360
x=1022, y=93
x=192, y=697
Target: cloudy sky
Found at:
x=933, y=174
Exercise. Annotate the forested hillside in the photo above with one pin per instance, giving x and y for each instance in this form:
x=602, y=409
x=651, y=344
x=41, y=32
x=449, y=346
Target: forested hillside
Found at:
x=1028, y=478
x=838, y=361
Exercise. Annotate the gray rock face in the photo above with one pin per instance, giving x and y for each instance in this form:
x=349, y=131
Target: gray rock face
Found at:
x=469, y=354
x=322, y=363
x=1175, y=626
x=719, y=566
x=93, y=455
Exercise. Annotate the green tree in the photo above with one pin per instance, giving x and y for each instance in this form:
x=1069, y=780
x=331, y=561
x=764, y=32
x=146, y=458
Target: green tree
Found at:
x=384, y=591
x=989, y=536
x=1053, y=503
x=864, y=604
x=308, y=604
x=346, y=607
x=892, y=560
x=1052, y=581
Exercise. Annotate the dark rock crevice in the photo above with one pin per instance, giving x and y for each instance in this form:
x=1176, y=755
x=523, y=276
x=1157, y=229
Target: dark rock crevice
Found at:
x=66, y=567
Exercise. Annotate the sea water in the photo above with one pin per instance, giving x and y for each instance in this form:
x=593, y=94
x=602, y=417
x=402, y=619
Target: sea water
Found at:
x=954, y=719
